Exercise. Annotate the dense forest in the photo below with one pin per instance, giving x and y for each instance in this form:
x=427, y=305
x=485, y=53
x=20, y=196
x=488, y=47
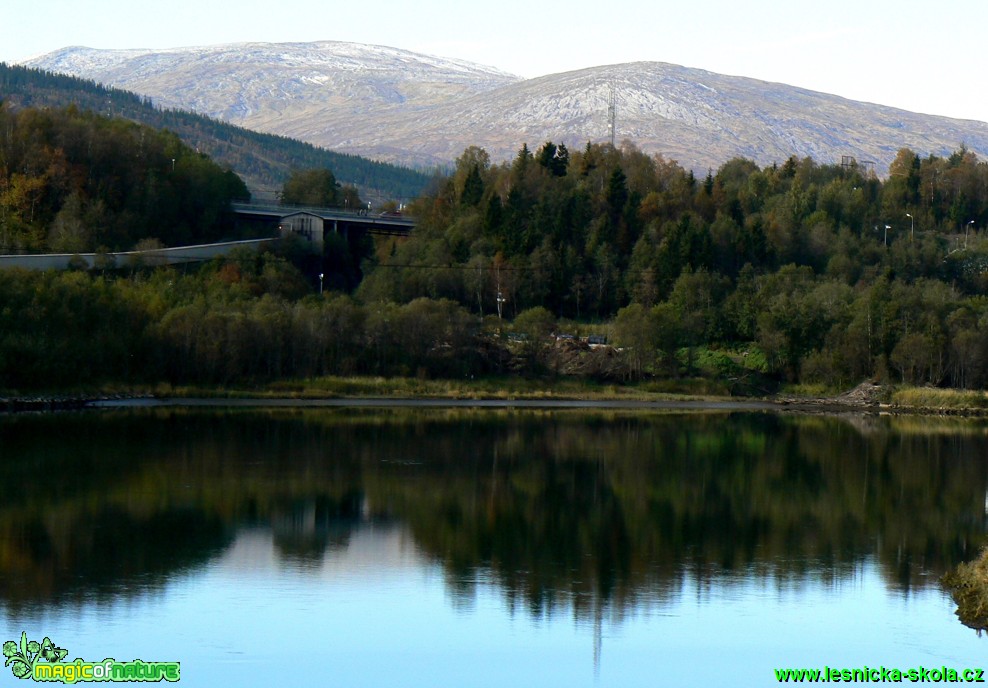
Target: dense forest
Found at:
x=72, y=181
x=264, y=161
x=835, y=275
x=798, y=272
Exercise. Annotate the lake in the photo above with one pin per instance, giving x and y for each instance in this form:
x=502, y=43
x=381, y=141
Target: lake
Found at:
x=490, y=547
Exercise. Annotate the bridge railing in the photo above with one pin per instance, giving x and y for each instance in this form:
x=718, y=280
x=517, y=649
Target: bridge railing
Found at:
x=175, y=255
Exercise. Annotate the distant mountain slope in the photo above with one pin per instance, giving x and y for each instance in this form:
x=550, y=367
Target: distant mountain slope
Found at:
x=262, y=160
x=237, y=82
x=699, y=118
x=401, y=106
x=311, y=91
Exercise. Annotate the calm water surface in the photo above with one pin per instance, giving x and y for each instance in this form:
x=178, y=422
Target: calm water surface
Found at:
x=425, y=547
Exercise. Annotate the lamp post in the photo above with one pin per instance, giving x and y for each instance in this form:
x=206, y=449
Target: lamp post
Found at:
x=887, y=228
x=911, y=227
x=321, y=275
x=966, y=231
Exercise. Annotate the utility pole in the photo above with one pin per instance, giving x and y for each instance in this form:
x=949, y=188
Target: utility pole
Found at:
x=500, y=296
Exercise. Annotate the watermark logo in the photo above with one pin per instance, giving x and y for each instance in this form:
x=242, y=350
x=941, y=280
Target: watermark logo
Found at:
x=44, y=661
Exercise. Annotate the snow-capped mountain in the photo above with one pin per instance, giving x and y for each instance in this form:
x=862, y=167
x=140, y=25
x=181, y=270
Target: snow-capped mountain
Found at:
x=254, y=83
x=407, y=107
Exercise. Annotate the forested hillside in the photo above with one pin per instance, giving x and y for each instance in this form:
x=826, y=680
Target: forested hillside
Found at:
x=795, y=272
x=835, y=274
x=73, y=181
x=264, y=161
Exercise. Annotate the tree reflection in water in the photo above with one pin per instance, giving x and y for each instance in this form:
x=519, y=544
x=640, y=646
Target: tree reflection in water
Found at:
x=575, y=510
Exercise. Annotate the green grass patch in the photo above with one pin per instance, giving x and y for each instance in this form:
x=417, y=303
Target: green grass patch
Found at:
x=813, y=390
x=690, y=387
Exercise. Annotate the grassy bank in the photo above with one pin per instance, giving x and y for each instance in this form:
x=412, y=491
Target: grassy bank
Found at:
x=968, y=585
x=934, y=399
x=479, y=388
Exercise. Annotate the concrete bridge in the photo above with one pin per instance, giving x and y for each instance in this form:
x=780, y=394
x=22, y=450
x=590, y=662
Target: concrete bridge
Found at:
x=313, y=222
x=272, y=219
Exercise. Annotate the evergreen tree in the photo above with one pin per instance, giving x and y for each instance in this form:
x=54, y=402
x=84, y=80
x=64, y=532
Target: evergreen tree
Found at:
x=473, y=188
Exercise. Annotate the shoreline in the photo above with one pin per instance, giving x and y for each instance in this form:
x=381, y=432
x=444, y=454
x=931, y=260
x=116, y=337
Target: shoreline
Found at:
x=408, y=402
x=866, y=398
x=669, y=402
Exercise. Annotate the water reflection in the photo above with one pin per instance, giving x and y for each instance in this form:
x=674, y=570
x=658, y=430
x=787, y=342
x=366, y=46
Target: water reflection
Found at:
x=593, y=514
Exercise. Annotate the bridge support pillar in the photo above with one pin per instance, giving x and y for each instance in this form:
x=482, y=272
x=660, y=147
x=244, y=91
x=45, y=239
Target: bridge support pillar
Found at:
x=345, y=231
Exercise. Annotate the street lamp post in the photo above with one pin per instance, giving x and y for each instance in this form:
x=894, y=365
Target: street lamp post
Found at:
x=321, y=275
x=887, y=228
x=966, y=231
x=911, y=227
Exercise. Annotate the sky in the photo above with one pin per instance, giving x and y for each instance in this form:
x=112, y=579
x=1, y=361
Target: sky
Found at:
x=919, y=56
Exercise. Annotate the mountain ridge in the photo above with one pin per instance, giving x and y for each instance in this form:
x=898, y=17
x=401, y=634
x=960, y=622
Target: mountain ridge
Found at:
x=263, y=160
x=409, y=108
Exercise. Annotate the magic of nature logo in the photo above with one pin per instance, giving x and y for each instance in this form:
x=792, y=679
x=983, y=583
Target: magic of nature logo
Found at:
x=44, y=661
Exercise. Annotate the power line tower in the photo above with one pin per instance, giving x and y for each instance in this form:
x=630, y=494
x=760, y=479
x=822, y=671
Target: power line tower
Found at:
x=849, y=162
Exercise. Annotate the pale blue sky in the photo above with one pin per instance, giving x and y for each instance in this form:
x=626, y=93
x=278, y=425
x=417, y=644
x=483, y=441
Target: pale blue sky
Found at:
x=920, y=56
